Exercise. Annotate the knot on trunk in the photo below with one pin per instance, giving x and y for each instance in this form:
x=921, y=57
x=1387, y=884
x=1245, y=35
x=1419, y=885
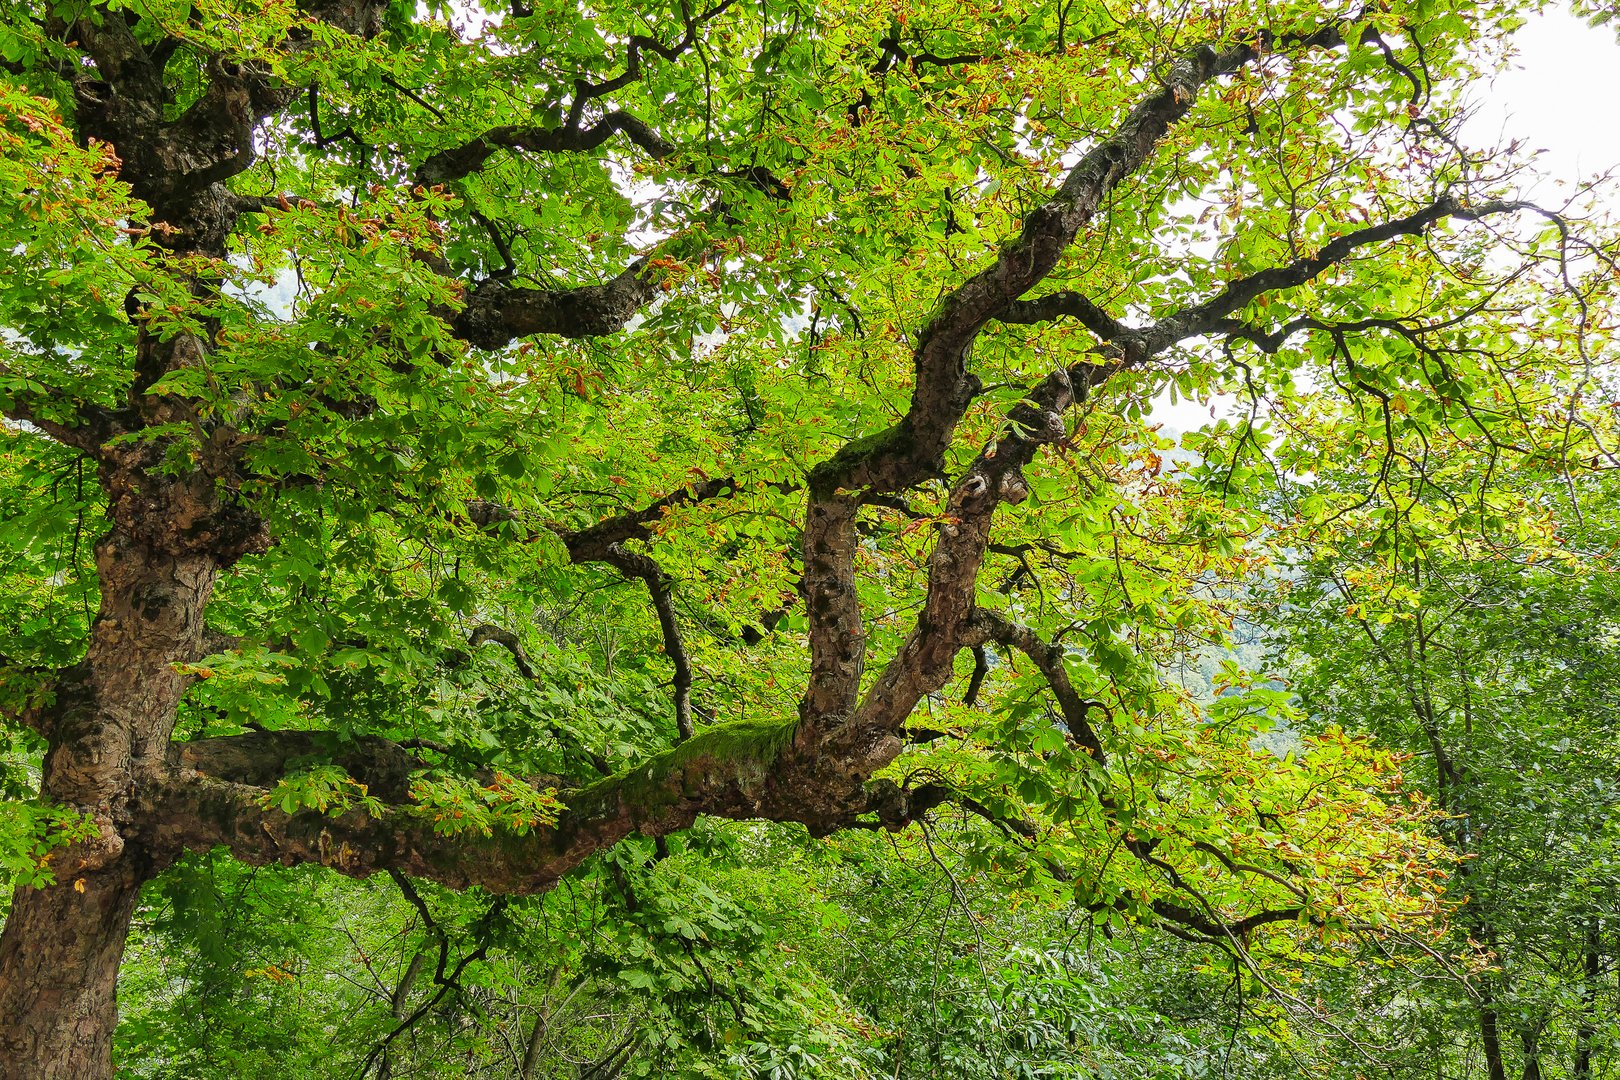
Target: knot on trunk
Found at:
x=89, y=853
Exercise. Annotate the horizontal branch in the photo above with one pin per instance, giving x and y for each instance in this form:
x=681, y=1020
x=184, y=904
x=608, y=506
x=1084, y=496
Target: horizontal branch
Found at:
x=463, y=160
x=897, y=807
x=261, y=759
x=1066, y=304
x=571, y=136
x=595, y=541
x=264, y=204
x=499, y=312
x=90, y=427
x=1218, y=930
x=215, y=795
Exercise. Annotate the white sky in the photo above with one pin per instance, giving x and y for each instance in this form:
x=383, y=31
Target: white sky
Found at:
x=1560, y=94
x=1566, y=76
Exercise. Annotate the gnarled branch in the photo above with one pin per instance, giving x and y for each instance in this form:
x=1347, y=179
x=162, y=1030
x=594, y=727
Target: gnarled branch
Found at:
x=214, y=794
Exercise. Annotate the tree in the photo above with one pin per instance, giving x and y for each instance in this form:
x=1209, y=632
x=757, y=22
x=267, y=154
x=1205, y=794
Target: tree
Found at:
x=355, y=356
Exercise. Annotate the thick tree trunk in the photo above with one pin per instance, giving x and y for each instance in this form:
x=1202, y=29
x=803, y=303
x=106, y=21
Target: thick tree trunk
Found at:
x=59, y=959
x=108, y=728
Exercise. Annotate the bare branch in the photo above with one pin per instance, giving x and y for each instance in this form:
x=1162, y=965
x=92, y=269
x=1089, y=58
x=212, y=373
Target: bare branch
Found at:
x=636, y=565
x=585, y=92
x=897, y=807
x=604, y=542
x=594, y=541
x=506, y=640
x=981, y=668
x=1059, y=305
x=1218, y=930
x=1048, y=657
x=570, y=135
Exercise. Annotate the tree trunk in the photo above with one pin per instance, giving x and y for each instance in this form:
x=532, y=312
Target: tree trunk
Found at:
x=399, y=1008
x=59, y=959
x=1491, y=1037
x=1591, y=968
x=108, y=728
x=542, y=1021
x=1531, y=1040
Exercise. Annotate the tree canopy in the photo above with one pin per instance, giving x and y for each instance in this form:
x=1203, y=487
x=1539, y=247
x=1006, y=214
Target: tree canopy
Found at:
x=483, y=451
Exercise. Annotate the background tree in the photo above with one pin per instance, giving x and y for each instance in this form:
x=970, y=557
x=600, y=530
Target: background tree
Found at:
x=453, y=449
x=1494, y=666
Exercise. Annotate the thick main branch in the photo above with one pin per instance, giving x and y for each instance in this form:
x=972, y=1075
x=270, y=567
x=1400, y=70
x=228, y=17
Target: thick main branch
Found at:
x=216, y=794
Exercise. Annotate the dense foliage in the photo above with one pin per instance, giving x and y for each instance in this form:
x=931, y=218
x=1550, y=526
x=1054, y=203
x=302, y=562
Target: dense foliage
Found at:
x=603, y=540
x=1499, y=674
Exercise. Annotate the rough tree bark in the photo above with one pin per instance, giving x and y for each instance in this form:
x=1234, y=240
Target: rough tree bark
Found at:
x=108, y=730
x=59, y=972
